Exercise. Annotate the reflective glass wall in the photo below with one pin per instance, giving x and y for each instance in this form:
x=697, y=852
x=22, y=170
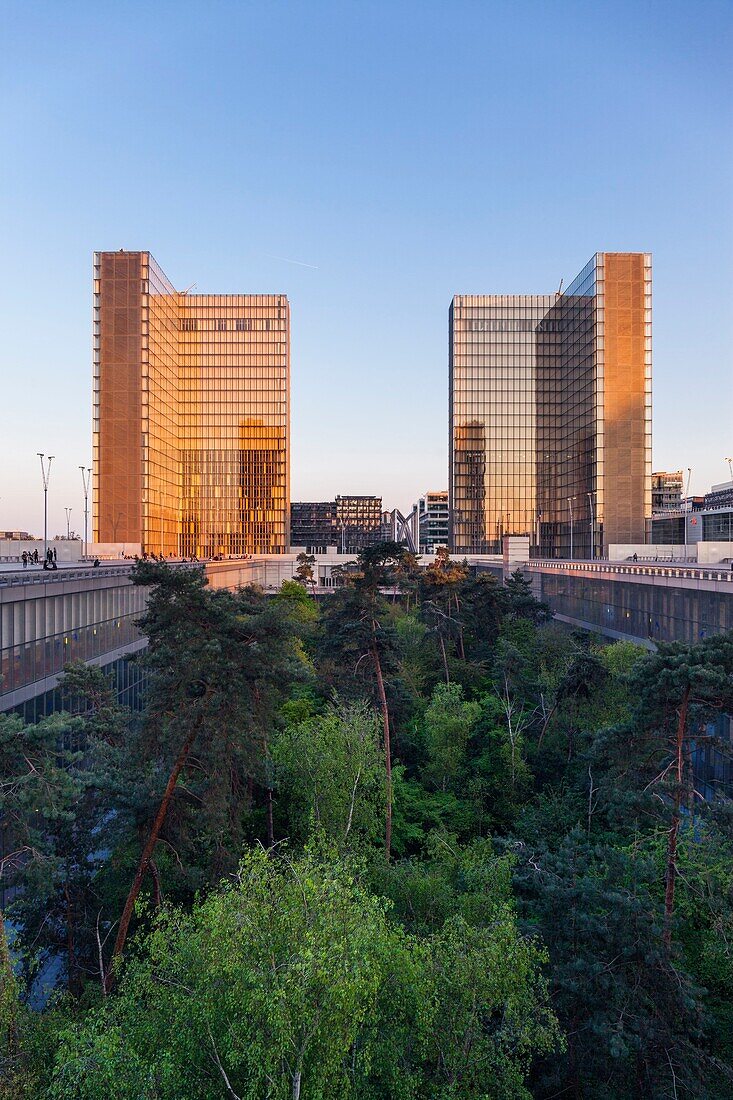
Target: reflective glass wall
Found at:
x=550, y=413
x=493, y=418
x=234, y=356
x=191, y=415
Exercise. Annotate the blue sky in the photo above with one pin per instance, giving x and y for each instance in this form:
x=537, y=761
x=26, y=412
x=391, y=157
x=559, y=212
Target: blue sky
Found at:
x=408, y=152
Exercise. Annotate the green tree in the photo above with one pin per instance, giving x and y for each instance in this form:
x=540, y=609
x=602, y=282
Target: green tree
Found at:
x=448, y=723
x=38, y=791
x=499, y=778
x=483, y=609
x=358, y=635
x=72, y=916
x=262, y=990
x=293, y=981
x=439, y=585
x=304, y=570
x=332, y=769
x=633, y=1019
x=679, y=689
x=523, y=604
x=218, y=663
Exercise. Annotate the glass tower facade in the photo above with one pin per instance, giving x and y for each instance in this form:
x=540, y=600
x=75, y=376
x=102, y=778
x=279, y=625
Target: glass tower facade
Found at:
x=191, y=414
x=550, y=413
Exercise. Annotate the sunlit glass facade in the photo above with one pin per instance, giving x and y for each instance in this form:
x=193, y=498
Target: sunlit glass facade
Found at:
x=550, y=413
x=191, y=414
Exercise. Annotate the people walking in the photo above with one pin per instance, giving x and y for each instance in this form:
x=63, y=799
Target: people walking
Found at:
x=35, y=556
x=25, y=559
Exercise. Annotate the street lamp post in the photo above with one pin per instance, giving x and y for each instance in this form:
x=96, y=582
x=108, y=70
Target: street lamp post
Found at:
x=45, y=474
x=592, y=527
x=85, y=479
x=570, y=506
x=687, y=506
x=68, y=522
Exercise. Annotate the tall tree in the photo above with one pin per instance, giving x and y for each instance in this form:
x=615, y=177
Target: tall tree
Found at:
x=357, y=634
x=523, y=604
x=648, y=763
x=332, y=767
x=633, y=1020
x=448, y=723
x=218, y=664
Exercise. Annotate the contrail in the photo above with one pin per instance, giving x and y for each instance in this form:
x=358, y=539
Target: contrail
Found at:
x=285, y=260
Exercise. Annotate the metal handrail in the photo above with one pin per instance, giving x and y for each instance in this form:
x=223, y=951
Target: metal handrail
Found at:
x=664, y=569
x=64, y=573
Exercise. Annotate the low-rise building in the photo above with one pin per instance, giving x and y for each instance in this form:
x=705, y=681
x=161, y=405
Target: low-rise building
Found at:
x=350, y=523
x=666, y=491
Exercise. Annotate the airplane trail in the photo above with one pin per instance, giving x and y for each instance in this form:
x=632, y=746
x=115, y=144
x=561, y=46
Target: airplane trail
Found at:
x=285, y=260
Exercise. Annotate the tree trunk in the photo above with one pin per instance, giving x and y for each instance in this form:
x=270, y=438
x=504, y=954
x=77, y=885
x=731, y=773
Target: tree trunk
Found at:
x=445, y=659
x=461, y=650
x=155, y=875
x=387, y=745
x=270, y=824
x=147, y=852
x=546, y=723
x=674, y=829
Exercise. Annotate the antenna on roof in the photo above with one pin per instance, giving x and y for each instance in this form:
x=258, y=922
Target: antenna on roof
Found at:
x=188, y=288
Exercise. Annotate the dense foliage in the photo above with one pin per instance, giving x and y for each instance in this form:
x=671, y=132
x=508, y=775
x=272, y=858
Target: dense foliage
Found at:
x=412, y=841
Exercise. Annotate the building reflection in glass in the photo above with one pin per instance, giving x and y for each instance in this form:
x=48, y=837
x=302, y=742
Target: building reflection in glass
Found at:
x=191, y=414
x=556, y=389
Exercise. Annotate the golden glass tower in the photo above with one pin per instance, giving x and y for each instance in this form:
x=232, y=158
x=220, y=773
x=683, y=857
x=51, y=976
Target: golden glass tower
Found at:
x=550, y=413
x=191, y=414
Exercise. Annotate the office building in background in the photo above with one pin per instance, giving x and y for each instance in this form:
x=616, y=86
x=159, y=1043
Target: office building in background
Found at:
x=348, y=523
x=359, y=522
x=666, y=491
x=550, y=413
x=191, y=414
x=313, y=525
x=431, y=514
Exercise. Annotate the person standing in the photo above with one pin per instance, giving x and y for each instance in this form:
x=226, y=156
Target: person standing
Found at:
x=25, y=559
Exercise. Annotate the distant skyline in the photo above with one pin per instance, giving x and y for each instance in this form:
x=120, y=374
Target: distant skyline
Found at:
x=369, y=161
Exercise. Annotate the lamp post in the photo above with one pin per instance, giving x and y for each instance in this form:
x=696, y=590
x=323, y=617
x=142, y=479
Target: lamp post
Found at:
x=592, y=527
x=730, y=467
x=570, y=506
x=85, y=479
x=68, y=521
x=687, y=506
x=45, y=474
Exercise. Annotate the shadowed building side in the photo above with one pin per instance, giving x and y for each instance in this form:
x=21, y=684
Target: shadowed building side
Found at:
x=561, y=387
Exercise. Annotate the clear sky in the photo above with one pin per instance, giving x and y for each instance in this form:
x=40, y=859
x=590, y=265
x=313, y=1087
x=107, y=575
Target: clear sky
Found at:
x=400, y=152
